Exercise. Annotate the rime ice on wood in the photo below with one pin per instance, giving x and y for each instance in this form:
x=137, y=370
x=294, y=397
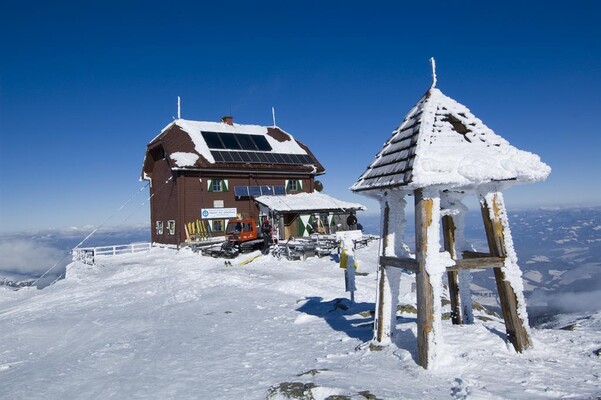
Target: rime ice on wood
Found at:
x=347, y=239
x=393, y=229
x=442, y=151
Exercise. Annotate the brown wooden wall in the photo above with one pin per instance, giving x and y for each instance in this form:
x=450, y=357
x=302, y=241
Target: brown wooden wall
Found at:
x=163, y=203
x=182, y=198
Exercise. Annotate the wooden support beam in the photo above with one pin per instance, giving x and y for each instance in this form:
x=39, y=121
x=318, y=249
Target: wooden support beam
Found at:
x=448, y=234
x=379, y=315
x=397, y=262
x=477, y=263
x=424, y=209
x=491, y=206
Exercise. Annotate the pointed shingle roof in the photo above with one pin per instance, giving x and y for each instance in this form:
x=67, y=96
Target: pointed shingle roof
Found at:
x=441, y=143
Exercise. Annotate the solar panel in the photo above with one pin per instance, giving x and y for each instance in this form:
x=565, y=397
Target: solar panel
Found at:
x=236, y=156
x=246, y=142
x=213, y=140
x=236, y=141
x=261, y=143
x=296, y=159
x=227, y=156
x=241, y=191
x=229, y=141
x=255, y=191
x=217, y=156
x=306, y=159
x=255, y=157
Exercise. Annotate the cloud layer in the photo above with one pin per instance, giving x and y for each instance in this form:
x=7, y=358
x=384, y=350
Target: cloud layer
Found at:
x=28, y=257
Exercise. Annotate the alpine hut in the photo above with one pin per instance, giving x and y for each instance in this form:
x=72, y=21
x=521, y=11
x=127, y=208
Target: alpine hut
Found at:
x=203, y=173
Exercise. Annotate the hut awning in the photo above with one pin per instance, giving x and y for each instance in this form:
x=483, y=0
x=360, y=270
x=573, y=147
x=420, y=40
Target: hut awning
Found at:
x=307, y=202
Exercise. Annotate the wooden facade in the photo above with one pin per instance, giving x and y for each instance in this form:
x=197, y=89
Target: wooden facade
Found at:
x=178, y=194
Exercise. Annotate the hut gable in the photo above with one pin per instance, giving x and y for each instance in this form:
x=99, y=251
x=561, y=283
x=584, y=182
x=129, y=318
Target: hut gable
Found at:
x=440, y=142
x=204, y=145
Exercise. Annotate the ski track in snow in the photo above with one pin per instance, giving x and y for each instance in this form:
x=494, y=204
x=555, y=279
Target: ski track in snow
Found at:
x=175, y=325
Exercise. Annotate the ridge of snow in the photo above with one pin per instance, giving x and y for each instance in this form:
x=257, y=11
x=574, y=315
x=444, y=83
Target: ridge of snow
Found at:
x=183, y=159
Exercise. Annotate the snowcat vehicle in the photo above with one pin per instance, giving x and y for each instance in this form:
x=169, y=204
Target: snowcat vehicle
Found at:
x=242, y=235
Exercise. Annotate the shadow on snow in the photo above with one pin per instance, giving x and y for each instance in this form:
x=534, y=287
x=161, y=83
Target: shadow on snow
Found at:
x=354, y=319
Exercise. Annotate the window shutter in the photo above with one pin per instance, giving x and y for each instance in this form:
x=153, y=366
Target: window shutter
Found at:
x=224, y=187
x=300, y=184
x=209, y=185
x=286, y=182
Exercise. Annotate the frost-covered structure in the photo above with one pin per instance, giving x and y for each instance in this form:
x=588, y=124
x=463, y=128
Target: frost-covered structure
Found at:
x=440, y=153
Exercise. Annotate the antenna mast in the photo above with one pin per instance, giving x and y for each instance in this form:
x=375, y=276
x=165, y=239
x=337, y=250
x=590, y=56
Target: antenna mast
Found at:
x=179, y=108
x=433, y=62
x=273, y=116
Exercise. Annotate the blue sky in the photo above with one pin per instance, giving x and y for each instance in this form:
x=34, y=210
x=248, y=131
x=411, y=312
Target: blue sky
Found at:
x=84, y=88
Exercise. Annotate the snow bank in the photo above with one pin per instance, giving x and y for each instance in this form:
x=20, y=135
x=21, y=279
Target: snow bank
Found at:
x=170, y=324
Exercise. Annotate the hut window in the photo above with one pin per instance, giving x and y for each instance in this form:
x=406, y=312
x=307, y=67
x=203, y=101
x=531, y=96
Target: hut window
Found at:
x=217, y=225
x=159, y=227
x=293, y=185
x=158, y=153
x=217, y=185
x=171, y=226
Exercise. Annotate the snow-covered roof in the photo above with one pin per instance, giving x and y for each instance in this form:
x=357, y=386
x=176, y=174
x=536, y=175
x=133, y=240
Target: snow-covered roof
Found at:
x=307, y=202
x=286, y=145
x=441, y=143
x=187, y=145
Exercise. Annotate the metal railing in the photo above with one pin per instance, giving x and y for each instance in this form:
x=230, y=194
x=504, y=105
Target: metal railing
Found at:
x=89, y=255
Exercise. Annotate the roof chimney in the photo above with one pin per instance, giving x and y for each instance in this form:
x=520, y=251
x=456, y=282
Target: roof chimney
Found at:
x=228, y=119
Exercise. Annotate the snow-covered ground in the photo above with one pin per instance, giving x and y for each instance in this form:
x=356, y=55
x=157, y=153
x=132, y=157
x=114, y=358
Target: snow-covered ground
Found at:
x=176, y=325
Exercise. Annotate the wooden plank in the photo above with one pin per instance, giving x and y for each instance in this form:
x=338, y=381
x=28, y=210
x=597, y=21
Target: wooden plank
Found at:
x=475, y=254
x=448, y=234
x=397, y=262
x=478, y=263
x=514, y=325
x=425, y=296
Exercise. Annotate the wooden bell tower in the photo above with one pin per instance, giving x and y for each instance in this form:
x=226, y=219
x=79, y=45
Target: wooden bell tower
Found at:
x=438, y=155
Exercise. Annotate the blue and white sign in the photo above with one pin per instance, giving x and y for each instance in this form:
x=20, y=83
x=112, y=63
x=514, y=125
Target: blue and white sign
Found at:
x=218, y=213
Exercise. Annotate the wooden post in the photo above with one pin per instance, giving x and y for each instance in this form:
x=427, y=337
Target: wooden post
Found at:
x=448, y=234
x=492, y=205
x=425, y=212
x=381, y=329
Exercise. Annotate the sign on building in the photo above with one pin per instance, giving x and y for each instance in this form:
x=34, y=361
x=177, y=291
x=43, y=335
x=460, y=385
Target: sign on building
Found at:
x=218, y=213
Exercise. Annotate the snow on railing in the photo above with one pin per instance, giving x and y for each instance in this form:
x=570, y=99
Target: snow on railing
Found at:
x=88, y=254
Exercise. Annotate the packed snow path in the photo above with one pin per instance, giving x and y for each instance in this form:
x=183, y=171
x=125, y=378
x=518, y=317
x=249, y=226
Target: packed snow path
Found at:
x=177, y=325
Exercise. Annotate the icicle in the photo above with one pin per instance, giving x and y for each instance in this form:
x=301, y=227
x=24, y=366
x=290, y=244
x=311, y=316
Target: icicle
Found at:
x=433, y=62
